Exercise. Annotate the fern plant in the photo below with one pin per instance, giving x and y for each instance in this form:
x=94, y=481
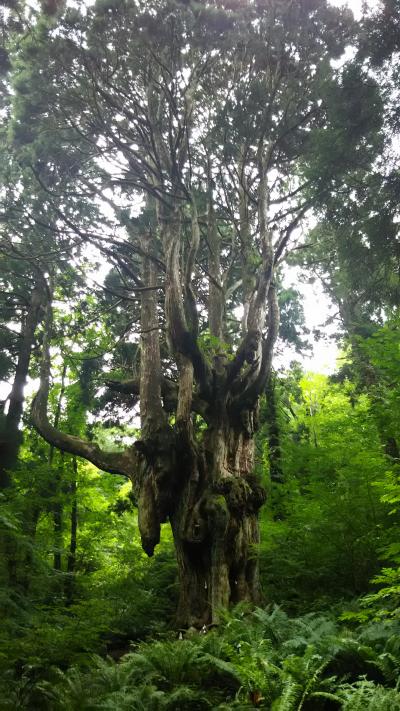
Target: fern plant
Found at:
x=364, y=695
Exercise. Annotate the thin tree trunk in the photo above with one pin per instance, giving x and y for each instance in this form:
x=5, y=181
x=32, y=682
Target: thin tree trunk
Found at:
x=11, y=437
x=58, y=532
x=10, y=440
x=56, y=483
x=274, y=450
x=274, y=443
x=31, y=519
x=71, y=558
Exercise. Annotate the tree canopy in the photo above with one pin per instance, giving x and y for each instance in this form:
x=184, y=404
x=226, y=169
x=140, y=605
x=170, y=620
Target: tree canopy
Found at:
x=165, y=166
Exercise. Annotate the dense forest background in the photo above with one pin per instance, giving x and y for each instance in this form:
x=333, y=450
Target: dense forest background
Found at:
x=185, y=524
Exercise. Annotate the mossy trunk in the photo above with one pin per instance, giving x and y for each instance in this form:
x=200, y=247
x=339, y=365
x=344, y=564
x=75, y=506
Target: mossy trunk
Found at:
x=211, y=498
x=220, y=567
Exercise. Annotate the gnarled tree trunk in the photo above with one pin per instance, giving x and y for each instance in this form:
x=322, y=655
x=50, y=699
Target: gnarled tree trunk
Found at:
x=215, y=527
x=200, y=479
x=208, y=492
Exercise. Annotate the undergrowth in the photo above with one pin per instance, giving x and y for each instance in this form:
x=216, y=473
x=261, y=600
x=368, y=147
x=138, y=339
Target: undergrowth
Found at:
x=255, y=659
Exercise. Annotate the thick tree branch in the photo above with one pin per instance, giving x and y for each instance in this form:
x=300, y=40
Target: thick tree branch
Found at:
x=151, y=413
x=113, y=462
x=257, y=385
x=169, y=393
x=216, y=296
x=182, y=340
x=284, y=239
